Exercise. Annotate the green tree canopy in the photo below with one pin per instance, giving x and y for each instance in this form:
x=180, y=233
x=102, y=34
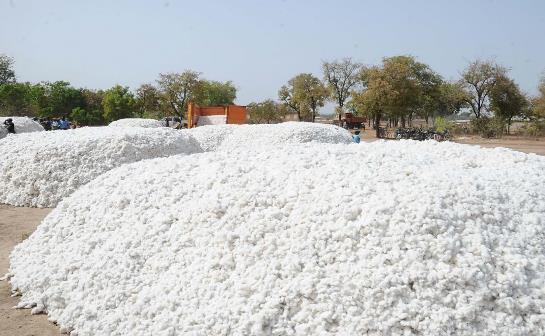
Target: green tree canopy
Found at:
x=20, y=99
x=59, y=99
x=178, y=89
x=118, y=103
x=148, y=102
x=214, y=93
x=265, y=112
x=304, y=94
x=539, y=101
x=506, y=100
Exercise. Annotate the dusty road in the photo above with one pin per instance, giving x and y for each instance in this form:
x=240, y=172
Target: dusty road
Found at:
x=15, y=224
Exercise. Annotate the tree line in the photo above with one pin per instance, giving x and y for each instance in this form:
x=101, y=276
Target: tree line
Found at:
x=396, y=91
x=168, y=96
x=401, y=89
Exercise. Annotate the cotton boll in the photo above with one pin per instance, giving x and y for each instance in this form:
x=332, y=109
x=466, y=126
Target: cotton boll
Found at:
x=39, y=169
x=292, y=240
x=136, y=122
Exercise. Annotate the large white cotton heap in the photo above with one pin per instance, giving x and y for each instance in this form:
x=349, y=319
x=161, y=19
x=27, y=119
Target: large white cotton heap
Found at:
x=136, y=122
x=22, y=125
x=230, y=137
x=39, y=169
x=387, y=238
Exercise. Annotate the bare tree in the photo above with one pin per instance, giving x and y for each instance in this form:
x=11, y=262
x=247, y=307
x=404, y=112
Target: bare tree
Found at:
x=478, y=80
x=341, y=76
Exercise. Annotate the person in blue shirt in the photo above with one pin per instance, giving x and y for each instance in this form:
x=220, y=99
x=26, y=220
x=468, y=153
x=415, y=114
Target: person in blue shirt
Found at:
x=356, y=137
x=64, y=124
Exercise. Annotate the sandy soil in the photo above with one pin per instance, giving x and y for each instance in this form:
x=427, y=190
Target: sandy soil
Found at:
x=15, y=225
x=522, y=144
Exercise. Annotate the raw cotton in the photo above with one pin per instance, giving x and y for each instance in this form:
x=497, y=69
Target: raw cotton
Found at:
x=387, y=238
x=136, y=122
x=22, y=125
x=39, y=169
x=230, y=137
x=212, y=120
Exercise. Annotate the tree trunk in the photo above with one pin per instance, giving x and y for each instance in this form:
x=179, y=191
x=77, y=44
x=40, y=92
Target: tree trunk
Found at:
x=377, y=124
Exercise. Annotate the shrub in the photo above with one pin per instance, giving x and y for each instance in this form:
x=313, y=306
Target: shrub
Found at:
x=534, y=128
x=488, y=127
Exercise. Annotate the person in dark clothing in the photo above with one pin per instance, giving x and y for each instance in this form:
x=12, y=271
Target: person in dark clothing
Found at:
x=10, y=126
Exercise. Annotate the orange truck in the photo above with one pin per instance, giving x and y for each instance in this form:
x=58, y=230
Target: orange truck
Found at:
x=215, y=115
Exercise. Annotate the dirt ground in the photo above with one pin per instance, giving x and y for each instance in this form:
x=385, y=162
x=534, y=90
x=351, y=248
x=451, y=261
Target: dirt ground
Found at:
x=15, y=225
x=522, y=144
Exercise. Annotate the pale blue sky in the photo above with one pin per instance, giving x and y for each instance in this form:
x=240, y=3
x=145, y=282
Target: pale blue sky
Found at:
x=261, y=44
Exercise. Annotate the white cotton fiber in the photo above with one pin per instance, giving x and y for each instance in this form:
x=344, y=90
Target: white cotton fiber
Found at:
x=136, y=122
x=22, y=125
x=230, y=137
x=387, y=238
x=39, y=169
x=210, y=137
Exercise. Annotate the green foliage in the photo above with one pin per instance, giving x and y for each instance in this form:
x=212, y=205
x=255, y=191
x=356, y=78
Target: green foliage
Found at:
x=178, y=89
x=488, y=127
x=534, y=128
x=148, y=102
x=452, y=99
x=59, y=99
x=304, y=94
x=538, y=110
x=85, y=118
x=442, y=125
x=19, y=99
x=118, y=103
x=266, y=112
x=7, y=75
x=214, y=93
x=506, y=100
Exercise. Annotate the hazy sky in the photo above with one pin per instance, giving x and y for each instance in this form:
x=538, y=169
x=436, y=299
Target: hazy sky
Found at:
x=259, y=45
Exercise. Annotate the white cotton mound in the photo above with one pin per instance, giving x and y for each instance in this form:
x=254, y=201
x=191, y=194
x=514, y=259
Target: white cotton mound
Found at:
x=136, y=122
x=212, y=136
x=387, y=238
x=230, y=137
x=22, y=125
x=39, y=169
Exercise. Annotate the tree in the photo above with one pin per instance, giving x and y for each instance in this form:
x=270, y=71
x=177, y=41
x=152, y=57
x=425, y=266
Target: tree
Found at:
x=60, y=99
x=341, y=76
x=19, y=99
x=398, y=89
x=118, y=103
x=92, y=105
x=84, y=117
x=214, y=93
x=266, y=112
x=148, y=101
x=452, y=98
x=478, y=80
x=506, y=100
x=304, y=94
x=178, y=89
x=7, y=74
x=539, y=102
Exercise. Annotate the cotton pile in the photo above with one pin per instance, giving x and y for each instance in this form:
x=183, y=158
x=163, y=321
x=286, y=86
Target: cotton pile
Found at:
x=39, y=169
x=230, y=137
x=212, y=120
x=136, y=122
x=387, y=238
x=22, y=125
